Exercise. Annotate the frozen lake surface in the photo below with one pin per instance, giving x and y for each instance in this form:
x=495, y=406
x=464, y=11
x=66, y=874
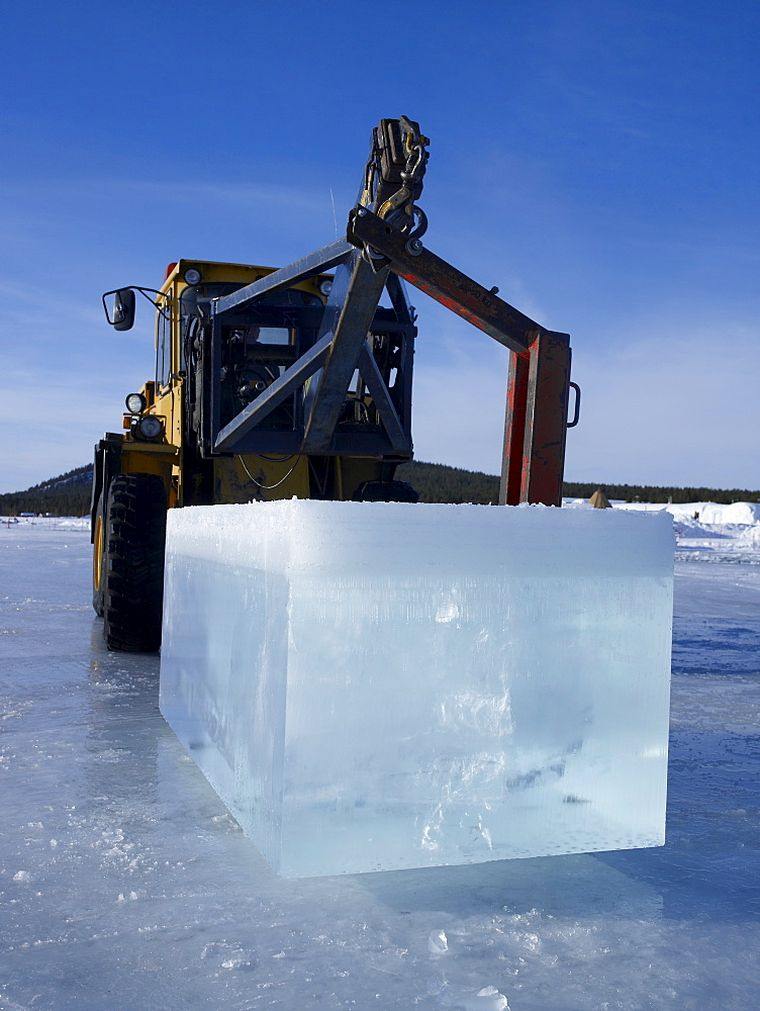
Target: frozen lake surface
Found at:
x=124, y=883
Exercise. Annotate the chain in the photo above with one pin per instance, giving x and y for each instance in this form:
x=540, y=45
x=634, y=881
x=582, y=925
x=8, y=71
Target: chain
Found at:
x=399, y=209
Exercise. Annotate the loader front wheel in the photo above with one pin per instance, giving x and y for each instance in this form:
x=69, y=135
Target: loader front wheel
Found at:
x=99, y=560
x=386, y=491
x=134, y=579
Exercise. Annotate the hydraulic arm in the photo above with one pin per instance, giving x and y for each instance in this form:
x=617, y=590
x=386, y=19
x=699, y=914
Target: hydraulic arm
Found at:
x=383, y=244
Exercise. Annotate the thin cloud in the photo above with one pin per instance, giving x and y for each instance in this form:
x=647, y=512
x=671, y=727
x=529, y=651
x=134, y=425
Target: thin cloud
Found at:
x=261, y=194
x=239, y=194
x=660, y=410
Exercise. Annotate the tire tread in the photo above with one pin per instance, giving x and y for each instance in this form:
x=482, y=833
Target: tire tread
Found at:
x=134, y=581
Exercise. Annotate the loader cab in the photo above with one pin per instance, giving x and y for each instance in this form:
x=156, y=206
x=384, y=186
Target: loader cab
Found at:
x=212, y=368
x=232, y=353
x=163, y=370
x=253, y=352
x=254, y=348
x=221, y=377
x=207, y=371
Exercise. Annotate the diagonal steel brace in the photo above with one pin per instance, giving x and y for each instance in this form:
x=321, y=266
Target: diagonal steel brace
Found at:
x=356, y=291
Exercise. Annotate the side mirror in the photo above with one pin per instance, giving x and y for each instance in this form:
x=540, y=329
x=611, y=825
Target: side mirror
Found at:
x=121, y=315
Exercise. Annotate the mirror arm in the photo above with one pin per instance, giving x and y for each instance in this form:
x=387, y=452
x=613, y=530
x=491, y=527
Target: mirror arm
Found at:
x=144, y=293
x=153, y=302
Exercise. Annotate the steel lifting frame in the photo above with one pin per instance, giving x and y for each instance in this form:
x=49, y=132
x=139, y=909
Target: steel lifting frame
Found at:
x=373, y=257
x=538, y=386
x=341, y=347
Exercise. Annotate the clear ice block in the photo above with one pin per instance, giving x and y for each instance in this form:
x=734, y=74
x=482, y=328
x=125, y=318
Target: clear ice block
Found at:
x=379, y=686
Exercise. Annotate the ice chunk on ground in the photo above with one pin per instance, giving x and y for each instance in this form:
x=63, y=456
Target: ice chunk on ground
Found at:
x=379, y=686
x=489, y=999
x=438, y=942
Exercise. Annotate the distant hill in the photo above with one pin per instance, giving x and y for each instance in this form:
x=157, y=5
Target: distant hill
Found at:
x=660, y=493
x=65, y=495
x=69, y=493
x=438, y=483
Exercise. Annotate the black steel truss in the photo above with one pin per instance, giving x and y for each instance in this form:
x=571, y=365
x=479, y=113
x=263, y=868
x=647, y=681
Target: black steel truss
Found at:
x=318, y=380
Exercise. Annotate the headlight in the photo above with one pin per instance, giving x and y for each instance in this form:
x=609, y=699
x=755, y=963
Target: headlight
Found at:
x=325, y=286
x=149, y=427
x=192, y=276
x=136, y=403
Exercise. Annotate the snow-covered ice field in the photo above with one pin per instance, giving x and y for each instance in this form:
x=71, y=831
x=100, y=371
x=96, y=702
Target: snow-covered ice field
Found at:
x=124, y=883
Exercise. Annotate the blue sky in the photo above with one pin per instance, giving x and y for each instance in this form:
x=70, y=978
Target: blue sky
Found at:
x=598, y=161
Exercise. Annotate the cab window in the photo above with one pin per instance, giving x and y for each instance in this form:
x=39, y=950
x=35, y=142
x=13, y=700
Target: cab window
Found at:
x=163, y=349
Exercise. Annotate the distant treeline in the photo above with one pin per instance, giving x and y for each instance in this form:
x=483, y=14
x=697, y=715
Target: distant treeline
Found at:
x=66, y=495
x=438, y=483
x=660, y=493
x=69, y=494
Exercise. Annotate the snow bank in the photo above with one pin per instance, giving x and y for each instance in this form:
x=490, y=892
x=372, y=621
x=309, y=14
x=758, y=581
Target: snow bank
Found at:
x=750, y=538
x=719, y=531
x=46, y=522
x=713, y=513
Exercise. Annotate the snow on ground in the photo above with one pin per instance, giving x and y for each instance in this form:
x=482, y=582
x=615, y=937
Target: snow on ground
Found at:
x=45, y=522
x=710, y=531
x=124, y=883
x=709, y=513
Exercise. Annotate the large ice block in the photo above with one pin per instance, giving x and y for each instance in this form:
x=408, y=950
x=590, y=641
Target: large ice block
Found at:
x=378, y=686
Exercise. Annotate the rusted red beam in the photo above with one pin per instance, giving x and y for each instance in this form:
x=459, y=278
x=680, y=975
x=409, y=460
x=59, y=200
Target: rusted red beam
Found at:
x=535, y=431
x=514, y=430
x=443, y=282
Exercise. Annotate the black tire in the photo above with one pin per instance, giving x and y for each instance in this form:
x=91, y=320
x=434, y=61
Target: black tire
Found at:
x=134, y=584
x=386, y=491
x=99, y=554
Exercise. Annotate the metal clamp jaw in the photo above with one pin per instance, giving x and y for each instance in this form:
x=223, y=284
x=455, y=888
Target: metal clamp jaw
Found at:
x=394, y=174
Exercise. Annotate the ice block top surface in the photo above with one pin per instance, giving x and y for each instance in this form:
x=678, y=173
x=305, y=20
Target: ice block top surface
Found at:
x=307, y=535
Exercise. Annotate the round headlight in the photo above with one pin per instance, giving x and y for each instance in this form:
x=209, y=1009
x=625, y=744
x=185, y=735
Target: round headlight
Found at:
x=136, y=403
x=325, y=286
x=192, y=276
x=149, y=427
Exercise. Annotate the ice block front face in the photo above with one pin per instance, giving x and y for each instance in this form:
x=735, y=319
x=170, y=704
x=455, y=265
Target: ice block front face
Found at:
x=379, y=686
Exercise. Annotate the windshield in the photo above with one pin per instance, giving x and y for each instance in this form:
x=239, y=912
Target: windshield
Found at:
x=257, y=344
x=191, y=296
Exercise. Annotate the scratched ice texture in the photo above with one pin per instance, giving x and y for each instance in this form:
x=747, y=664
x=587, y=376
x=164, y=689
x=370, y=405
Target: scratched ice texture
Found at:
x=383, y=686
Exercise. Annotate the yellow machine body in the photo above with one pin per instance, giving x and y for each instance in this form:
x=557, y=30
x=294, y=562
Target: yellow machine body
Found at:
x=239, y=478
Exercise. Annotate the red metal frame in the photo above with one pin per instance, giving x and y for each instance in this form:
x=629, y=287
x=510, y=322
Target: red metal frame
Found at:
x=538, y=387
x=535, y=427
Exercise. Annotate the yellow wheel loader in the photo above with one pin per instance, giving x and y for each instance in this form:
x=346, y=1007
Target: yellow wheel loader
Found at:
x=271, y=383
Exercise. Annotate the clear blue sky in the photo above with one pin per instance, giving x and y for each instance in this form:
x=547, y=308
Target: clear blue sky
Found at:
x=600, y=162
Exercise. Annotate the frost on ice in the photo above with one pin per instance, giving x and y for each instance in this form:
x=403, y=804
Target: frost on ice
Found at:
x=381, y=686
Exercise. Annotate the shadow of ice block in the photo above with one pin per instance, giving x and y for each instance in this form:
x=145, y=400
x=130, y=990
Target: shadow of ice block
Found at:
x=383, y=686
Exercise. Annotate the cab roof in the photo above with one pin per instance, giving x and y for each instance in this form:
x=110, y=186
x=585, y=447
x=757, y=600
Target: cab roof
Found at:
x=215, y=271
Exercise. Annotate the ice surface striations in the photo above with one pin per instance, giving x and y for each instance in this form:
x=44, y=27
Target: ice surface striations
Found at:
x=379, y=686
